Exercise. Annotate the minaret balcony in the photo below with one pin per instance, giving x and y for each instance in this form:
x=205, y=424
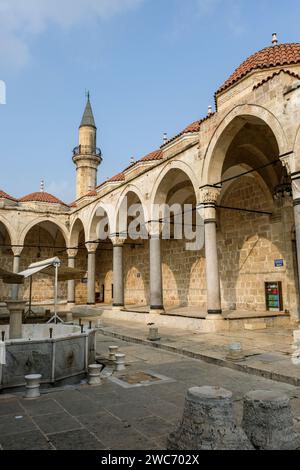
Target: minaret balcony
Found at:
x=87, y=150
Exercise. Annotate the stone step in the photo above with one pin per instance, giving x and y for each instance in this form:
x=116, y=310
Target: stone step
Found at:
x=253, y=326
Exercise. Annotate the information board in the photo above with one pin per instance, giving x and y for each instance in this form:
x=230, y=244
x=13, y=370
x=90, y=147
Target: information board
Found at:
x=274, y=296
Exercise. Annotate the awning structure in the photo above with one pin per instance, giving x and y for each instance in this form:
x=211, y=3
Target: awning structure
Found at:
x=35, y=268
x=11, y=278
x=51, y=267
x=48, y=268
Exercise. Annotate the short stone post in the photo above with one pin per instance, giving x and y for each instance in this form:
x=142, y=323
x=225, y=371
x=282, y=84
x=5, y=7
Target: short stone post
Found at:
x=268, y=421
x=235, y=353
x=153, y=334
x=208, y=423
x=16, y=308
x=94, y=374
x=120, y=362
x=32, y=386
x=112, y=352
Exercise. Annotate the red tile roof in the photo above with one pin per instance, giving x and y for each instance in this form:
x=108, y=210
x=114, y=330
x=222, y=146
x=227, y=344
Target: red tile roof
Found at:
x=41, y=197
x=118, y=177
x=194, y=127
x=4, y=195
x=274, y=56
x=156, y=155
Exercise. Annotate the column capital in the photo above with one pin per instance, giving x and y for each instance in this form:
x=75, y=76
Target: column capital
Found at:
x=91, y=247
x=209, y=195
x=117, y=240
x=72, y=252
x=17, y=250
x=289, y=163
x=154, y=228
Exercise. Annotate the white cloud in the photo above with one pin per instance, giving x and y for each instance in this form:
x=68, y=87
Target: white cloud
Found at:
x=22, y=20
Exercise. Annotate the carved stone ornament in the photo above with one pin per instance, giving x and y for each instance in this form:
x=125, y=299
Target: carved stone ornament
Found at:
x=118, y=241
x=209, y=195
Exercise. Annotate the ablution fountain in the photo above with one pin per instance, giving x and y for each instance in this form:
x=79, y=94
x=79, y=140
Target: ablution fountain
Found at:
x=60, y=352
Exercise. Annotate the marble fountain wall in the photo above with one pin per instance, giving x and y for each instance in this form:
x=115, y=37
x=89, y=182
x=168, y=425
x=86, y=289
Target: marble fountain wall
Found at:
x=60, y=360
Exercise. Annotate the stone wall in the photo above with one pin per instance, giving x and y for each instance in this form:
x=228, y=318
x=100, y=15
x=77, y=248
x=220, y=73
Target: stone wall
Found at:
x=249, y=244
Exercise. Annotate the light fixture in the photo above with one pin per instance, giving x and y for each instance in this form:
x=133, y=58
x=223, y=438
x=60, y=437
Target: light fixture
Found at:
x=284, y=189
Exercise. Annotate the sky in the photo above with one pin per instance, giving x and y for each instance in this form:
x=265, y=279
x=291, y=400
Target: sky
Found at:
x=151, y=66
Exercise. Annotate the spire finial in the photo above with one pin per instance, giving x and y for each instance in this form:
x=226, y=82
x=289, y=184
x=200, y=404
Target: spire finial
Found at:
x=87, y=94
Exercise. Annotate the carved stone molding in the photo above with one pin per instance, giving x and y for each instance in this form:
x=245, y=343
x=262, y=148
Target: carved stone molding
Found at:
x=117, y=241
x=209, y=195
x=91, y=247
x=72, y=252
x=17, y=250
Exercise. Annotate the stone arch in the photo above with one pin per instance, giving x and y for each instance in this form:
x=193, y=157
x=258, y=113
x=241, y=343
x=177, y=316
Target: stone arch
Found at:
x=134, y=195
x=38, y=221
x=100, y=212
x=9, y=229
x=75, y=230
x=173, y=166
x=229, y=128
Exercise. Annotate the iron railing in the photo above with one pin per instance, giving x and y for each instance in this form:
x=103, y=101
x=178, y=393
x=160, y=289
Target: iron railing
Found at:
x=88, y=150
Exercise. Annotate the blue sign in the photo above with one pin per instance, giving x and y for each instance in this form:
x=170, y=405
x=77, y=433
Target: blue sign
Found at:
x=279, y=263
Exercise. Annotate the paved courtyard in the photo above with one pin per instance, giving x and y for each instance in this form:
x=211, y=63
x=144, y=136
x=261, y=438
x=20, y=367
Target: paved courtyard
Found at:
x=113, y=417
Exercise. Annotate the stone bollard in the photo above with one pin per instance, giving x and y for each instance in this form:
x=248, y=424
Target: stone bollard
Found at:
x=268, y=421
x=15, y=308
x=208, y=423
x=120, y=362
x=112, y=352
x=69, y=317
x=153, y=334
x=94, y=374
x=235, y=352
x=32, y=386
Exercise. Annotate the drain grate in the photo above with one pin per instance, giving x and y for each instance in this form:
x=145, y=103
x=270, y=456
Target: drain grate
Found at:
x=140, y=379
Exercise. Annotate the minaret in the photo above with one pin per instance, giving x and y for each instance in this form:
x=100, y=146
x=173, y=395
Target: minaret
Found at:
x=87, y=157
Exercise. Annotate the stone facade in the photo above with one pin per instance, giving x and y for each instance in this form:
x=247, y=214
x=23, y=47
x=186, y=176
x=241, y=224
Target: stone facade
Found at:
x=246, y=228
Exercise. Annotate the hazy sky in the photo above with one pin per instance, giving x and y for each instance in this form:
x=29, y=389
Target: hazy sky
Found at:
x=151, y=66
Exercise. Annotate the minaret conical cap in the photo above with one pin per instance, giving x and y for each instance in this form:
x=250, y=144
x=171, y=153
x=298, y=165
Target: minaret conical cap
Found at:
x=88, y=117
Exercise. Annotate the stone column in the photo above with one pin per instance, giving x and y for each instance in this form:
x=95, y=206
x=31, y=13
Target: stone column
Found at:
x=91, y=248
x=209, y=198
x=156, y=285
x=16, y=309
x=290, y=164
x=71, y=284
x=118, y=277
x=16, y=268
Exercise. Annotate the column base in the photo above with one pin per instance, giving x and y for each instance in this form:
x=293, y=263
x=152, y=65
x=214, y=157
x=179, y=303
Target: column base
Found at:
x=117, y=307
x=157, y=309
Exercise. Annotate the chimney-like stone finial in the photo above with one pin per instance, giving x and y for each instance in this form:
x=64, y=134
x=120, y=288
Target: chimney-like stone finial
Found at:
x=165, y=138
x=42, y=186
x=274, y=39
x=210, y=110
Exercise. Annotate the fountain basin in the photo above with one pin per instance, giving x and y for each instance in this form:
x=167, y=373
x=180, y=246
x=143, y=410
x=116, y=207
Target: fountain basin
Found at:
x=61, y=360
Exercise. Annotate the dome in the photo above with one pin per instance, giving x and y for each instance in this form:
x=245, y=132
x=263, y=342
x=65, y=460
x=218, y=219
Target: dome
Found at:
x=274, y=56
x=4, y=195
x=41, y=196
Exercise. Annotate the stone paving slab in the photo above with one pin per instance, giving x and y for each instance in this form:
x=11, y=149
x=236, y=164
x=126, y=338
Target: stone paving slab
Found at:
x=212, y=347
x=102, y=417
